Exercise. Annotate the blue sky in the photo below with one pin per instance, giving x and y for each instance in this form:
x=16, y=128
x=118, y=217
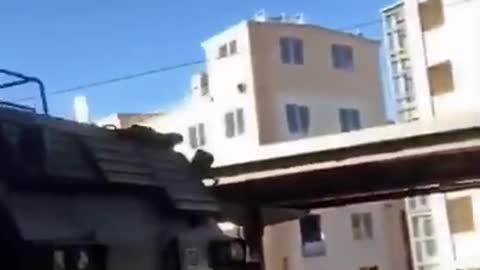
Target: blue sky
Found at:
x=72, y=42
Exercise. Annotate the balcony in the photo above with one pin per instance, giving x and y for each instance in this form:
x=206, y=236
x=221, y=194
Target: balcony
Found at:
x=441, y=79
x=431, y=14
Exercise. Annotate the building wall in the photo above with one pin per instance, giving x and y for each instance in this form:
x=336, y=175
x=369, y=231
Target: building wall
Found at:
x=386, y=249
x=455, y=40
x=277, y=82
x=270, y=85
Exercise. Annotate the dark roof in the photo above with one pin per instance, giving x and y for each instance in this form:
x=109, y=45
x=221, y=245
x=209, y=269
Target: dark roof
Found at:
x=48, y=151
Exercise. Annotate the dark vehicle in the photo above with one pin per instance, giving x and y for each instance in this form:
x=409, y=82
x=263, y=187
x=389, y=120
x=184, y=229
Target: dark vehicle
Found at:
x=75, y=196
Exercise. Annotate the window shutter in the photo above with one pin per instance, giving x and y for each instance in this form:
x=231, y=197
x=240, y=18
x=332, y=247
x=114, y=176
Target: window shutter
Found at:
x=368, y=224
x=298, y=51
x=355, y=119
x=229, y=125
x=284, y=50
x=240, y=122
x=192, y=137
x=201, y=134
x=343, y=115
x=291, y=111
x=356, y=226
x=304, y=118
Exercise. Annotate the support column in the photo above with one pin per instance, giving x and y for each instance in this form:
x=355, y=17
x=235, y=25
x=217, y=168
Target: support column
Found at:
x=253, y=231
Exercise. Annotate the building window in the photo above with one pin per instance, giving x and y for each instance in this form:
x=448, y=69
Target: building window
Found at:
x=291, y=51
x=232, y=46
x=349, y=120
x=460, y=215
x=342, y=56
x=196, y=135
x=223, y=51
x=362, y=227
x=234, y=123
x=298, y=118
x=418, y=203
x=424, y=242
x=313, y=240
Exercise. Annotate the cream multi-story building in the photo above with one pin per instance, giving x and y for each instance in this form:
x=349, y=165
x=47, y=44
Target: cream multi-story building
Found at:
x=271, y=80
x=441, y=42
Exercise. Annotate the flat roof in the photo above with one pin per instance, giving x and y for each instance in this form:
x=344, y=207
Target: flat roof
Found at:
x=391, y=7
x=373, y=164
x=242, y=23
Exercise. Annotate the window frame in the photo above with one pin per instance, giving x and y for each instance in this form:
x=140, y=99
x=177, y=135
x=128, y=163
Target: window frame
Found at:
x=234, y=122
x=343, y=57
x=196, y=136
x=292, y=51
x=313, y=242
x=350, y=119
x=298, y=118
x=364, y=229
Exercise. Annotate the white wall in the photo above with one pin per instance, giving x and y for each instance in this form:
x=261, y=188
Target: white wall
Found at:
x=458, y=41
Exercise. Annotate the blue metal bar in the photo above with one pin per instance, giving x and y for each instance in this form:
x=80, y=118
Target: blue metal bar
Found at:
x=26, y=79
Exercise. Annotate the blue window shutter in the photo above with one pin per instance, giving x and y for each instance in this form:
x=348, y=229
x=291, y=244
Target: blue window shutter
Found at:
x=291, y=111
x=285, y=50
x=298, y=51
x=304, y=118
x=356, y=123
x=343, y=117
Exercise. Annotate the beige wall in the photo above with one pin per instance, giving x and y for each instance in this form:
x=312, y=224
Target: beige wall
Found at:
x=316, y=82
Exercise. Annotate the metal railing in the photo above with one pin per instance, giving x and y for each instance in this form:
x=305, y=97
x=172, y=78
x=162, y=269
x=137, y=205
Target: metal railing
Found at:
x=23, y=79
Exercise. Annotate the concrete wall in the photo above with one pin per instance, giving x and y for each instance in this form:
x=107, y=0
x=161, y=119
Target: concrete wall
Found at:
x=316, y=78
